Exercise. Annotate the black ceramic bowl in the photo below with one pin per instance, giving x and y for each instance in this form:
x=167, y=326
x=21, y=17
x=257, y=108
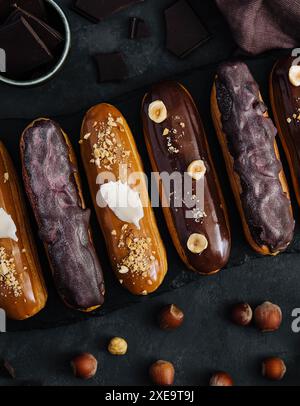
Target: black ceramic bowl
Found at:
x=61, y=23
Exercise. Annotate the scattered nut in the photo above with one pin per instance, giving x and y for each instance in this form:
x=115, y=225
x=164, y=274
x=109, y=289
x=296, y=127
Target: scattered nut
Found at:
x=162, y=373
x=273, y=368
x=294, y=75
x=197, y=243
x=117, y=346
x=166, y=131
x=171, y=317
x=221, y=379
x=268, y=317
x=84, y=366
x=241, y=314
x=197, y=169
x=157, y=111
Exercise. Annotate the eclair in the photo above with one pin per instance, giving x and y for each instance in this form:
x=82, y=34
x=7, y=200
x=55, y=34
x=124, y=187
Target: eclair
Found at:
x=53, y=188
x=177, y=146
x=247, y=138
x=22, y=288
x=117, y=183
x=285, y=102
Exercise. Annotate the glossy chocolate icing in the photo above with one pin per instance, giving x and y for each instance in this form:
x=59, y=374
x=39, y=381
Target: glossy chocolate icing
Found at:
x=286, y=105
x=63, y=223
x=192, y=145
x=251, y=136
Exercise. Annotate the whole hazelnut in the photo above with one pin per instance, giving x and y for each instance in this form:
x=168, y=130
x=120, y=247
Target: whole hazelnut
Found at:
x=268, y=317
x=221, y=379
x=273, y=368
x=170, y=317
x=117, y=346
x=241, y=314
x=84, y=366
x=162, y=373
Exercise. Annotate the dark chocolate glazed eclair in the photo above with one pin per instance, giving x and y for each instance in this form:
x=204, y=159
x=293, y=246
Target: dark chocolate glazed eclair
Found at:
x=285, y=101
x=177, y=143
x=247, y=137
x=53, y=187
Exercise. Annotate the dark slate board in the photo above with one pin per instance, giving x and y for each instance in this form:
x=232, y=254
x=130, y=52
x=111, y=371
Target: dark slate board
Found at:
x=199, y=83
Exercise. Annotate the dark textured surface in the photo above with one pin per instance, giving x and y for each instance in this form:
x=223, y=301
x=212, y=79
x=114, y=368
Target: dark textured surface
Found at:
x=207, y=341
x=76, y=86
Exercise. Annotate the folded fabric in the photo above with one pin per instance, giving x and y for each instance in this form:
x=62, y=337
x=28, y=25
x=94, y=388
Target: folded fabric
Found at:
x=260, y=25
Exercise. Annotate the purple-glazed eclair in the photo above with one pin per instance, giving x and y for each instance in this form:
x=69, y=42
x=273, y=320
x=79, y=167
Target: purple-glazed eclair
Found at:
x=247, y=137
x=53, y=187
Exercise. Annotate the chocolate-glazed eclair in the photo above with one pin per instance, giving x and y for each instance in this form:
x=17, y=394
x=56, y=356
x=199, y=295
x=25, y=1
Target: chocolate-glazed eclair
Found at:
x=116, y=179
x=247, y=137
x=177, y=144
x=53, y=187
x=285, y=101
x=22, y=288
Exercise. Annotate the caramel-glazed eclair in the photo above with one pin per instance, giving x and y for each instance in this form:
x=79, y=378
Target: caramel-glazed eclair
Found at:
x=22, y=288
x=121, y=201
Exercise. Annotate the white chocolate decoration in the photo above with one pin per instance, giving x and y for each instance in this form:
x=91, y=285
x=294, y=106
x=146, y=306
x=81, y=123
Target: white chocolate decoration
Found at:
x=197, y=243
x=294, y=75
x=157, y=111
x=8, y=228
x=124, y=201
x=197, y=169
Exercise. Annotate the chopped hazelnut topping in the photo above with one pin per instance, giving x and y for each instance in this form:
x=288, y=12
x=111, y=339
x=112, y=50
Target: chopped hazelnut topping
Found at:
x=294, y=115
x=166, y=131
x=289, y=120
x=113, y=232
x=8, y=278
x=87, y=136
x=138, y=259
x=6, y=177
x=80, y=142
x=123, y=269
x=182, y=125
x=106, y=152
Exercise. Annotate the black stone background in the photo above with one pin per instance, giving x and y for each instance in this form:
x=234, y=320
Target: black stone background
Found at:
x=207, y=341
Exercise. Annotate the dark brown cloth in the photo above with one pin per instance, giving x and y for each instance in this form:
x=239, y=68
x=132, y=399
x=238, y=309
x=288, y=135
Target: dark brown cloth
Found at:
x=260, y=25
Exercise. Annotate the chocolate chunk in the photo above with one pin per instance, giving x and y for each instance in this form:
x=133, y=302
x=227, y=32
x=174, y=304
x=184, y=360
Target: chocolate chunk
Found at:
x=7, y=369
x=35, y=7
x=185, y=32
x=111, y=67
x=138, y=28
x=97, y=10
x=50, y=37
x=24, y=49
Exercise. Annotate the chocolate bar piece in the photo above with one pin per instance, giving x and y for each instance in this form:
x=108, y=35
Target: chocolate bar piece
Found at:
x=97, y=10
x=50, y=37
x=138, y=28
x=111, y=67
x=24, y=49
x=35, y=7
x=185, y=32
